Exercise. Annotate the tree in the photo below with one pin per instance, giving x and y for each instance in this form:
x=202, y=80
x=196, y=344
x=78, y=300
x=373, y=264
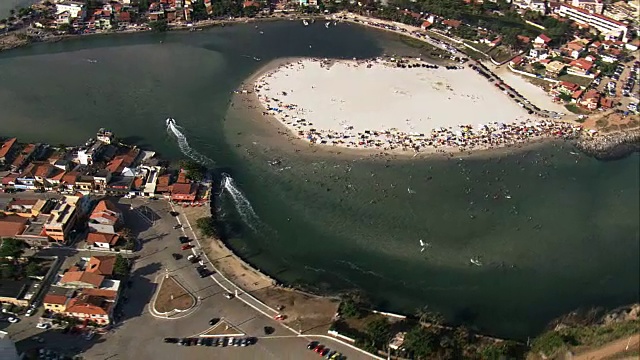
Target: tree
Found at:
x=33, y=269
x=378, y=332
x=159, y=25
x=195, y=171
x=349, y=308
x=13, y=248
x=421, y=342
x=207, y=226
x=426, y=316
x=121, y=266
x=65, y=28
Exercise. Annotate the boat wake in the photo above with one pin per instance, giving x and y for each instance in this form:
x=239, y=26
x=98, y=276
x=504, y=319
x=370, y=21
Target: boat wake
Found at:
x=242, y=204
x=184, y=145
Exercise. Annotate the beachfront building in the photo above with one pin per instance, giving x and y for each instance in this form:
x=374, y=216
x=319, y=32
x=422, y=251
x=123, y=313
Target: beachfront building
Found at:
x=607, y=26
x=554, y=68
x=62, y=219
x=8, y=151
x=73, y=8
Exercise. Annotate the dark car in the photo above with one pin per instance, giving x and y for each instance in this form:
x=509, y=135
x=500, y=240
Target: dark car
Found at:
x=174, y=213
x=203, y=271
x=183, y=239
x=312, y=345
x=177, y=226
x=176, y=256
x=213, y=321
x=170, y=340
x=324, y=352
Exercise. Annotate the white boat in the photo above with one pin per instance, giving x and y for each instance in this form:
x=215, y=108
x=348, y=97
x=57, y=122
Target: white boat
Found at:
x=170, y=121
x=475, y=261
x=305, y=22
x=327, y=24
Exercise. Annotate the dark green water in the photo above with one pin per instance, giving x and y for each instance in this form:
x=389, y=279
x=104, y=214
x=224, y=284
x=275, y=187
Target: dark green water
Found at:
x=567, y=237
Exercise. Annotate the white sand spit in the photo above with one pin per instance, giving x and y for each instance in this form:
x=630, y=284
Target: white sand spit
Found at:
x=375, y=104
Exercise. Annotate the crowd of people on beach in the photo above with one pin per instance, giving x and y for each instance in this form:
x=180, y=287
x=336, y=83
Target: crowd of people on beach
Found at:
x=461, y=138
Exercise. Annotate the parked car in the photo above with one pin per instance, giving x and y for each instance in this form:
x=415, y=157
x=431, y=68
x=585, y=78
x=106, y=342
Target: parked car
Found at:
x=203, y=271
x=43, y=326
x=324, y=352
x=177, y=226
x=176, y=256
x=214, y=321
x=170, y=340
x=193, y=258
x=318, y=348
x=228, y=295
x=186, y=246
x=174, y=213
x=13, y=319
x=184, y=239
x=330, y=354
x=32, y=310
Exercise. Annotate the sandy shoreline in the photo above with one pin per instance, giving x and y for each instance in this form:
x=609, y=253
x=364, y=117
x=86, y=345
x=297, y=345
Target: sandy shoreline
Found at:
x=430, y=125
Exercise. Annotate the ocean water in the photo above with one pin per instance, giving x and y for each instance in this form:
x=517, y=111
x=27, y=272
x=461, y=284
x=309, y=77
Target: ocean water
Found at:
x=7, y=5
x=554, y=231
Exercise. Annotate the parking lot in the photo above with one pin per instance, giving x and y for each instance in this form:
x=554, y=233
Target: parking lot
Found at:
x=138, y=333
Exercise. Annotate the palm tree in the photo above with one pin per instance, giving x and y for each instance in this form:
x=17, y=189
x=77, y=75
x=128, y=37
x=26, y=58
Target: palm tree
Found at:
x=428, y=317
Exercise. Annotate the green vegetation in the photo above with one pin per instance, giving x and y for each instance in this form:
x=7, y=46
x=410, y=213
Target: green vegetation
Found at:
x=159, y=25
x=121, y=266
x=576, y=110
x=195, y=171
x=12, y=248
x=580, y=80
x=207, y=226
x=378, y=333
x=551, y=342
x=33, y=269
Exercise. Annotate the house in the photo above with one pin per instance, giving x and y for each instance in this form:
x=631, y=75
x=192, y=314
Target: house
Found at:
x=101, y=265
x=81, y=279
x=426, y=24
x=184, y=192
x=14, y=291
x=69, y=180
x=567, y=87
x=102, y=240
x=119, y=185
x=497, y=41
x=84, y=184
x=8, y=151
x=606, y=103
x=105, y=218
x=57, y=298
x=574, y=49
x=87, y=306
x=542, y=40
x=524, y=39
x=554, y=68
x=100, y=180
x=516, y=61
x=62, y=220
x=590, y=100
x=163, y=184
x=24, y=157
x=539, y=53
x=91, y=153
x=12, y=225
x=10, y=180
x=249, y=3
x=580, y=67
x=103, y=135
x=450, y=23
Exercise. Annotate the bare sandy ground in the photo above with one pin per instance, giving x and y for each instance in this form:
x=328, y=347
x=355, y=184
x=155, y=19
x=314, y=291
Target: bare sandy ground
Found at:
x=355, y=97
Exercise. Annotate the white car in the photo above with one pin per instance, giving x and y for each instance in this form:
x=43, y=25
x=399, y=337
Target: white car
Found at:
x=13, y=319
x=43, y=326
x=31, y=311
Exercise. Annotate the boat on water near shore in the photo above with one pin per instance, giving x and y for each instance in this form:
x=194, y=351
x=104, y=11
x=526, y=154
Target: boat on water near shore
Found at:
x=476, y=261
x=305, y=22
x=170, y=121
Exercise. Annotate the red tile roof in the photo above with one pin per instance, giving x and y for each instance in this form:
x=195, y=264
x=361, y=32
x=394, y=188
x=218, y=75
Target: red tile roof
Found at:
x=524, y=39
x=12, y=225
x=582, y=64
x=586, y=12
x=544, y=38
x=54, y=299
x=452, y=23
x=569, y=86
x=426, y=24
x=70, y=178
x=82, y=276
x=89, y=305
x=99, y=237
x=101, y=265
x=7, y=146
x=11, y=178
x=116, y=165
x=185, y=189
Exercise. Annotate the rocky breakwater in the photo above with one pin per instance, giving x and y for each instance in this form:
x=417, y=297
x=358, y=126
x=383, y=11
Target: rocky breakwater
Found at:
x=610, y=146
x=11, y=41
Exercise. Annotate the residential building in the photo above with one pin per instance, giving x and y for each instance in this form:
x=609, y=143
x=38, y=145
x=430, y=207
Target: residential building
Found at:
x=580, y=67
x=567, y=87
x=105, y=218
x=554, y=68
x=34, y=234
x=594, y=6
x=91, y=153
x=80, y=279
x=24, y=157
x=542, y=40
x=119, y=185
x=12, y=225
x=102, y=240
x=8, y=151
x=57, y=298
x=92, y=306
x=164, y=184
x=590, y=100
x=100, y=180
x=184, y=192
x=516, y=61
x=607, y=26
x=69, y=181
x=84, y=184
x=101, y=265
x=62, y=219
x=103, y=135
x=15, y=291
x=75, y=9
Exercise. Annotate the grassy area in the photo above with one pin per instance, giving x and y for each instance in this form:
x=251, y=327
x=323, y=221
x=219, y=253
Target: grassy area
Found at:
x=419, y=44
x=582, y=81
x=482, y=47
x=501, y=53
x=575, y=109
x=172, y=296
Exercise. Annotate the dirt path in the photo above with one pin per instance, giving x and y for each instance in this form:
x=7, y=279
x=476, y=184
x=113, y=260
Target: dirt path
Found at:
x=612, y=348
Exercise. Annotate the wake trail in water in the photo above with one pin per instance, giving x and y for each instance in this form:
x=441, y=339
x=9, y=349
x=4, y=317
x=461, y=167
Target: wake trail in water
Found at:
x=242, y=204
x=174, y=129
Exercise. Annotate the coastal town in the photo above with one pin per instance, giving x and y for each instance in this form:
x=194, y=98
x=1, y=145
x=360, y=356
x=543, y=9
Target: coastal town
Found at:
x=106, y=242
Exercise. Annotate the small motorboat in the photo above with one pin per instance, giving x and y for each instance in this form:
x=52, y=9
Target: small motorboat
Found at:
x=476, y=261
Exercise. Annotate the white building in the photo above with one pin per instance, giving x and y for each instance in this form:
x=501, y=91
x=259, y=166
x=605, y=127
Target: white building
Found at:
x=595, y=6
x=607, y=26
x=75, y=9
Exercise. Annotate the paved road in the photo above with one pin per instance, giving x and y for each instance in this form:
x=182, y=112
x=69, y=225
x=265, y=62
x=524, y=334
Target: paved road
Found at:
x=138, y=334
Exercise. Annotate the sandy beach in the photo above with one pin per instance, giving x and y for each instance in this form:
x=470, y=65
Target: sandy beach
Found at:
x=377, y=105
